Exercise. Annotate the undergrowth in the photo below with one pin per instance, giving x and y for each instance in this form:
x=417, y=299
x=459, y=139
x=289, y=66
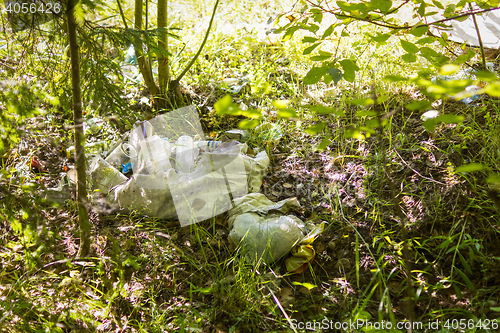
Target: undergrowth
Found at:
x=148, y=275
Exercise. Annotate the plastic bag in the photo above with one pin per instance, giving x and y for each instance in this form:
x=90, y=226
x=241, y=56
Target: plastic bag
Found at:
x=261, y=229
x=103, y=175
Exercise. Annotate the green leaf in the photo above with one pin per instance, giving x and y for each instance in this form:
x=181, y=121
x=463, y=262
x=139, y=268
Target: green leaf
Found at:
x=308, y=39
x=318, y=17
x=251, y=113
x=308, y=285
x=418, y=105
x=336, y=74
x=311, y=27
x=426, y=40
x=466, y=279
x=438, y=4
x=322, y=56
x=383, y=6
x=328, y=31
x=350, y=69
x=421, y=9
x=369, y=113
x=428, y=51
x=409, y=57
x=281, y=104
x=463, y=58
x=409, y=47
x=225, y=105
x=287, y=113
x=362, y=101
x=248, y=123
x=471, y=167
x=433, y=56
x=430, y=124
x=443, y=39
x=486, y=76
x=352, y=7
x=311, y=48
x=325, y=110
x=354, y=133
x=448, y=69
x=493, y=89
x=464, y=263
x=420, y=31
x=324, y=143
x=450, y=10
x=315, y=129
x=380, y=38
x=289, y=33
x=315, y=74
x=493, y=178
x=363, y=315
x=496, y=308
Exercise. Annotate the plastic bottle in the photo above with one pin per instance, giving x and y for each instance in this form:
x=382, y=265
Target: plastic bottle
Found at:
x=153, y=157
x=207, y=146
x=185, y=154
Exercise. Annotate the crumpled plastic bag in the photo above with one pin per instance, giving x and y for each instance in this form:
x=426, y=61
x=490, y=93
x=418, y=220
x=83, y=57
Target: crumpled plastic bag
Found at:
x=261, y=228
x=103, y=175
x=192, y=197
x=135, y=194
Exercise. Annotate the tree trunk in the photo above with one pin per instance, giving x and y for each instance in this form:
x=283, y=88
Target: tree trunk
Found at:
x=144, y=65
x=83, y=216
x=163, y=70
x=167, y=93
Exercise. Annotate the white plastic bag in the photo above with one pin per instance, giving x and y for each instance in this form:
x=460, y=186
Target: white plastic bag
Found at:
x=261, y=228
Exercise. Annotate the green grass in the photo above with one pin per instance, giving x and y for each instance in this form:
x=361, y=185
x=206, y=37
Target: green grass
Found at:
x=146, y=275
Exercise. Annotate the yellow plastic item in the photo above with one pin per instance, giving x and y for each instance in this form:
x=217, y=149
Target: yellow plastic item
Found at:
x=303, y=253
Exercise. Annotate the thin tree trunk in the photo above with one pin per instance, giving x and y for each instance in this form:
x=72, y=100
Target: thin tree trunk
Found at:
x=163, y=70
x=144, y=65
x=83, y=216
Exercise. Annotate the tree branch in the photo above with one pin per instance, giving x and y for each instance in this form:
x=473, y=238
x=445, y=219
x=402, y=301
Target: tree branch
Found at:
x=191, y=63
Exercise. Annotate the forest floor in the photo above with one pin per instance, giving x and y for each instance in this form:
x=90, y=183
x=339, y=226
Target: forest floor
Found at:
x=395, y=187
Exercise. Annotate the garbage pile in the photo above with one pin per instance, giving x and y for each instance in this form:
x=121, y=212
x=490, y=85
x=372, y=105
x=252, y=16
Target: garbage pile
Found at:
x=165, y=168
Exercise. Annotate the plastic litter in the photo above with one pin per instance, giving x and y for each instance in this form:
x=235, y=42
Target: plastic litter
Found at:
x=185, y=154
x=237, y=85
x=209, y=146
x=431, y=114
x=261, y=228
x=122, y=154
x=62, y=192
x=176, y=172
x=471, y=92
x=126, y=168
x=36, y=164
x=99, y=147
x=103, y=175
x=475, y=91
x=465, y=31
x=236, y=134
x=92, y=126
x=154, y=155
x=130, y=57
x=269, y=131
x=304, y=252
